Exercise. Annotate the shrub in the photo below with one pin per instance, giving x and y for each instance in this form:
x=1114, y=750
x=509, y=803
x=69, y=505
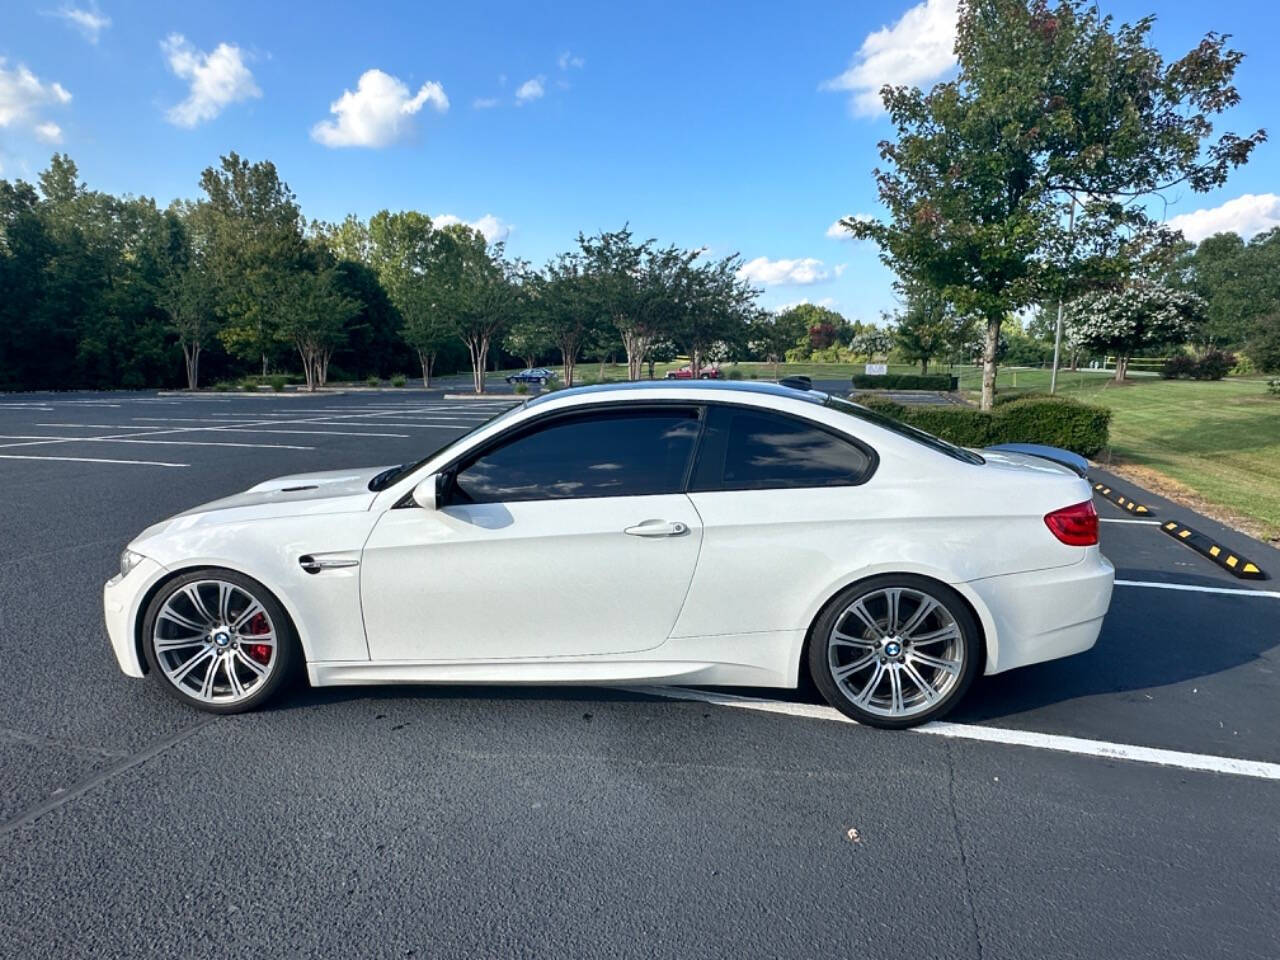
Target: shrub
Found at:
x=399, y=380
x=249, y=385
x=277, y=381
x=1273, y=386
x=1055, y=421
x=1179, y=365
x=1263, y=346
x=222, y=386
x=373, y=381
x=734, y=373
x=754, y=375
x=522, y=388
x=905, y=381
x=1214, y=365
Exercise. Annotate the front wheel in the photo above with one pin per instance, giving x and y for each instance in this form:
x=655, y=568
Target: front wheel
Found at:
x=218, y=641
x=895, y=651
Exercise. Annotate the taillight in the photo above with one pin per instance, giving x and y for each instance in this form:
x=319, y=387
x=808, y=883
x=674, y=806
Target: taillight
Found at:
x=1076, y=525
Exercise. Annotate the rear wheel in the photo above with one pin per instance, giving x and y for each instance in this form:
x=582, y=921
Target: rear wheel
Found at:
x=218, y=640
x=895, y=651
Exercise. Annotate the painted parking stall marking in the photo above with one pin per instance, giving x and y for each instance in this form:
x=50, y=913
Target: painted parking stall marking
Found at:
x=1020, y=738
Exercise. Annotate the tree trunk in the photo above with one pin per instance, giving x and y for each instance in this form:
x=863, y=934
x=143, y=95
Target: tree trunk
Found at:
x=264, y=363
x=322, y=366
x=428, y=361
x=990, y=344
x=191, y=354
x=695, y=365
x=568, y=357
x=1122, y=368
x=478, y=347
x=1075, y=360
x=651, y=363
x=775, y=367
x=308, y=368
x=924, y=366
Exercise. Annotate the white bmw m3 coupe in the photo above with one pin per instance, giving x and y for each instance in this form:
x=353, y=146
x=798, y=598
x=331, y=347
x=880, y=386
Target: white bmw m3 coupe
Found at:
x=699, y=533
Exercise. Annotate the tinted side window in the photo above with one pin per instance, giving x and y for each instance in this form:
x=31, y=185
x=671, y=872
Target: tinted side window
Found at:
x=617, y=453
x=754, y=450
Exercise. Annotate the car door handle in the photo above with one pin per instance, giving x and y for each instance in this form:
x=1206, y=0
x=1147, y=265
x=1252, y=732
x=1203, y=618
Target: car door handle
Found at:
x=657, y=528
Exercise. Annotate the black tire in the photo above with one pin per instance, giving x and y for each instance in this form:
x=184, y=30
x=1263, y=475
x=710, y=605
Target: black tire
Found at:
x=704, y=376
x=837, y=612
x=281, y=668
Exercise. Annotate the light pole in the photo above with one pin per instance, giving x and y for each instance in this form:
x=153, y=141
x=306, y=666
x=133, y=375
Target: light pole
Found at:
x=1057, y=333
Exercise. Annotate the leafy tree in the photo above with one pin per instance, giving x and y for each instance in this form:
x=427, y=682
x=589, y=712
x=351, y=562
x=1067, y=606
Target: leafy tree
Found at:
x=312, y=313
x=772, y=335
x=660, y=351
x=186, y=292
x=711, y=307
x=1142, y=314
x=482, y=291
x=1239, y=281
x=256, y=244
x=1053, y=106
x=634, y=284
x=567, y=307
x=926, y=327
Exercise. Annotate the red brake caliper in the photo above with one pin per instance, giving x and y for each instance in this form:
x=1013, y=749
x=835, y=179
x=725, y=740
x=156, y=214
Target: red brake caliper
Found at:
x=259, y=651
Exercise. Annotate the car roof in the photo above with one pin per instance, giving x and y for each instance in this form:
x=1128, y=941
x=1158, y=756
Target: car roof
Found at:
x=705, y=388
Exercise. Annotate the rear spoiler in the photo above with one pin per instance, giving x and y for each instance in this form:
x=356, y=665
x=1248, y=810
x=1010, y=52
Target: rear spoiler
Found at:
x=1054, y=454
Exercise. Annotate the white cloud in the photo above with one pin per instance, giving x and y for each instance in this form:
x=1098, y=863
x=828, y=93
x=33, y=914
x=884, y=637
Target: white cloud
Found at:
x=801, y=272
x=484, y=103
x=1246, y=215
x=89, y=22
x=568, y=60
x=917, y=49
x=490, y=227
x=217, y=79
x=378, y=113
x=837, y=230
x=23, y=96
x=531, y=90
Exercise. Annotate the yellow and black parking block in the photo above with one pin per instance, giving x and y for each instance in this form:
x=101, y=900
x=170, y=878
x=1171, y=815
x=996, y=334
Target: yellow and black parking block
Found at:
x=1121, y=501
x=1203, y=544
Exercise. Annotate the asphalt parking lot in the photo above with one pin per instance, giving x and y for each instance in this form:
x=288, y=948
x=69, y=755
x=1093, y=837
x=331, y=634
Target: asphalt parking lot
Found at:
x=463, y=822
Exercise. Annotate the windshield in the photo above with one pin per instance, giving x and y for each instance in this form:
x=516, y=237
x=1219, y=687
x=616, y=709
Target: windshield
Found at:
x=387, y=477
x=903, y=429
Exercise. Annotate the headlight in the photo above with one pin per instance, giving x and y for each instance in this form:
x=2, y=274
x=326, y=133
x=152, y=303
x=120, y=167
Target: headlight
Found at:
x=128, y=560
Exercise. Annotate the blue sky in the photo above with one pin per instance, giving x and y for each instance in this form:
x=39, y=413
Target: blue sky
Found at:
x=739, y=126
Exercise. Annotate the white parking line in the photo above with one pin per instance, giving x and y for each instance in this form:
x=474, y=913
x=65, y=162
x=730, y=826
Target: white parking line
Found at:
x=171, y=443
x=1127, y=520
x=312, y=433
x=145, y=463
x=1202, y=762
x=96, y=426
x=1193, y=588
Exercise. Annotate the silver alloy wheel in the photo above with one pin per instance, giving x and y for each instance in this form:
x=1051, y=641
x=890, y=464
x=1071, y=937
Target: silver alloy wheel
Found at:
x=896, y=652
x=214, y=641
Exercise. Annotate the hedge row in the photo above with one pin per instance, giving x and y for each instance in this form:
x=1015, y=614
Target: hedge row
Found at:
x=1055, y=421
x=905, y=381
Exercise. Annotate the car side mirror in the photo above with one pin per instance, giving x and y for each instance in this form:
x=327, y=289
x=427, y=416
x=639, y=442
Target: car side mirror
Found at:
x=427, y=493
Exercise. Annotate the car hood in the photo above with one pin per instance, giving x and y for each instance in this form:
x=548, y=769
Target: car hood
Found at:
x=299, y=494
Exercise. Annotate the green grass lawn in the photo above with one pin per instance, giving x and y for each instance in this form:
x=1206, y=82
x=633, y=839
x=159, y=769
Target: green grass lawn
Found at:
x=1221, y=439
